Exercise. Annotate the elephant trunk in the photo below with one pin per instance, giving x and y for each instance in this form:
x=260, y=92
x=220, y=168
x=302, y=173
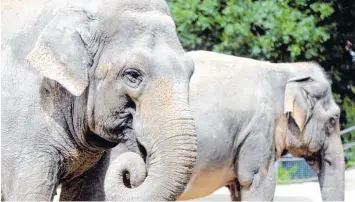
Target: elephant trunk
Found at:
x=331, y=175
x=172, y=149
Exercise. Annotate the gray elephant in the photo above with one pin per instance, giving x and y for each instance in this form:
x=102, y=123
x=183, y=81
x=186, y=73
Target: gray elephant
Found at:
x=77, y=78
x=248, y=113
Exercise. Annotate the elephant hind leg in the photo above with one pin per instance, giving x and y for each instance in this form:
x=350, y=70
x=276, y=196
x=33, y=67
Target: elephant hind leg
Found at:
x=234, y=189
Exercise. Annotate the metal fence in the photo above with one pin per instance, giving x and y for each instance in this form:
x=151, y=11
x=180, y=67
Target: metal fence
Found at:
x=290, y=169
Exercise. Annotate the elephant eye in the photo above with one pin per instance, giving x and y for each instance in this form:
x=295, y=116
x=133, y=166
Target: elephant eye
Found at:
x=332, y=121
x=332, y=124
x=132, y=77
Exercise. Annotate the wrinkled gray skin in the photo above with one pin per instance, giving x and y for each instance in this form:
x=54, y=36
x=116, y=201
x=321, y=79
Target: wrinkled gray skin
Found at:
x=78, y=77
x=248, y=113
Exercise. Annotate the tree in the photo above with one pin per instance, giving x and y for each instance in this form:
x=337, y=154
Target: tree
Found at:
x=272, y=30
x=338, y=61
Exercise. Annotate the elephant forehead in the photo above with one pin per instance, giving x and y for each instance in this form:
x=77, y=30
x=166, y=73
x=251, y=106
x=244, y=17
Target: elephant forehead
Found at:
x=140, y=5
x=153, y=19
x=162, y=61
x=112, y=8
x=142, y=29
x=135, y=57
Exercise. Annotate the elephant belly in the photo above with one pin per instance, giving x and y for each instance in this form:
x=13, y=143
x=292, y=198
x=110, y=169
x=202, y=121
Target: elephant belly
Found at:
x=204, y=183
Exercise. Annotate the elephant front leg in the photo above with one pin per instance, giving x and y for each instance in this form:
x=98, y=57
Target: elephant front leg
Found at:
x=260, y=186
x=36, y=179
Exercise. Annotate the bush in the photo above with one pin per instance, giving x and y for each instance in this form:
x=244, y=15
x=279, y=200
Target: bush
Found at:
x=277, y=30
x=284, y=175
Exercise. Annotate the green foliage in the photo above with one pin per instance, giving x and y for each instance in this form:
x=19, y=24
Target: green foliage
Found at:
x=279, y=31
x=349, y=112
x=350, y=164
x=258, y=29
x=338, y=62
x=284, y=175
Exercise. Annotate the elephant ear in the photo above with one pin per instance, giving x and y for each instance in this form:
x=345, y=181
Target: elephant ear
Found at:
x=60, y=52
x=297, y=103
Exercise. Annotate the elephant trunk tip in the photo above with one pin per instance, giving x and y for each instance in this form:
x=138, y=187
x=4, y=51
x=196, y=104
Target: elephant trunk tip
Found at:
x=125, y=173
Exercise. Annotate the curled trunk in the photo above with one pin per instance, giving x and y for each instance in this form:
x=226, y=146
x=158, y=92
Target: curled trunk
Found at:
x=171, y=157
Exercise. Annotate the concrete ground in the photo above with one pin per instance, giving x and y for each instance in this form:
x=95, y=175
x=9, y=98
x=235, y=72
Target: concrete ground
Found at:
x=308, y=191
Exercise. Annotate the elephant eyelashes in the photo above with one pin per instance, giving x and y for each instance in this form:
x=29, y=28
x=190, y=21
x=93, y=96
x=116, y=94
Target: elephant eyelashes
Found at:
x=132, y=77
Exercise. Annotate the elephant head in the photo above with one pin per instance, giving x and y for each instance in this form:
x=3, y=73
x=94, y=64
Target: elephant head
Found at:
x=311, y=122
x=126, y=72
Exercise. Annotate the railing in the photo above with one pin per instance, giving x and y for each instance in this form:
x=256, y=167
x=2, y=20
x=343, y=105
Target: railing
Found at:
x=348, y=130
x=290, y=169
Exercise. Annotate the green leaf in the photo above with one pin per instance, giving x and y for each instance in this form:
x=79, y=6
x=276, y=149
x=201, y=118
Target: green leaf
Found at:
x=256, y=50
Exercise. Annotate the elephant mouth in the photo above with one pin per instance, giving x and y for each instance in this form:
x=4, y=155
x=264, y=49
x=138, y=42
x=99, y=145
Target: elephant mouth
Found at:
x=143, y=152
x=101, y=142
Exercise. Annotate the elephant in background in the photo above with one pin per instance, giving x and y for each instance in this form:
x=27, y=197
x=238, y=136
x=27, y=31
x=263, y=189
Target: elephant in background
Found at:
x=78, y=77
x=248, y=113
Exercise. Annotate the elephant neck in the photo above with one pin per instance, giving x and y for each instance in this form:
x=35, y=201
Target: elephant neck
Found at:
x=77, y=123
x=67, y=131
x=280, y=147
x=69, y=112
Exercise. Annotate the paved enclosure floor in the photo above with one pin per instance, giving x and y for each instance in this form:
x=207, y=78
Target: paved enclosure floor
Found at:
x=308, y=191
